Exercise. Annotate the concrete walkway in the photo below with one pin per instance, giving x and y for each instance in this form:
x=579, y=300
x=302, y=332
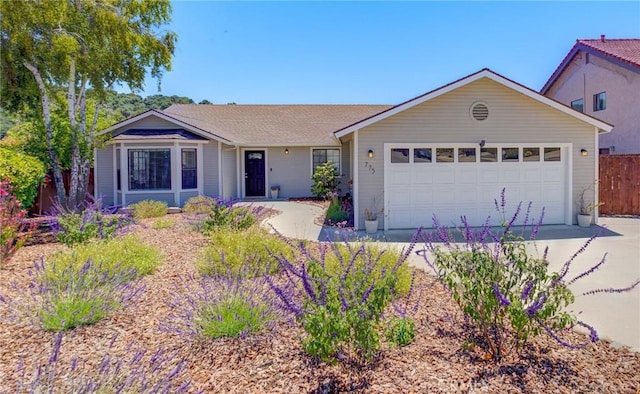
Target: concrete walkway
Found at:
x=616, y=317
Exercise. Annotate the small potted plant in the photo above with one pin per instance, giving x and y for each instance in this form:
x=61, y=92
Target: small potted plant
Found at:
x=275, y=189
x=586, y=208
x=371, y=218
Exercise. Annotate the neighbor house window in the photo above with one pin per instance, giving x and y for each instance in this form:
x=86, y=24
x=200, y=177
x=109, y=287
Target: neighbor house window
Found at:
x=150, y=169
x=600, y=101
x=189, y=169
x=321, y=156
x=578, y=105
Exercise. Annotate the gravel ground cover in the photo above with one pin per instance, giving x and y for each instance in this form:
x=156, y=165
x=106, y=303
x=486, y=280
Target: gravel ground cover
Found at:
x=274, y=362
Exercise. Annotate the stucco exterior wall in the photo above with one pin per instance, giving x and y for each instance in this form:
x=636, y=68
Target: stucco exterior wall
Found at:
x=622, y=87
x=514, y=118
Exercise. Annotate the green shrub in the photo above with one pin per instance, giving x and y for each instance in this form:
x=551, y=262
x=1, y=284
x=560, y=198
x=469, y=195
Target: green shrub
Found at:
x=236, y=252
x=118, y=254
x=79, y=295
x=339, y=301
x=92, y=222
x=14, y=231
x=400, y=331
x=25, y=173
x=383, y=260
x=232, y=317
x=325, y=180
x=163, y=223
x=73, y=310
x=149, y=209
x=199, y=205
x=506, y=294
x=234, y=218
x=335, y=214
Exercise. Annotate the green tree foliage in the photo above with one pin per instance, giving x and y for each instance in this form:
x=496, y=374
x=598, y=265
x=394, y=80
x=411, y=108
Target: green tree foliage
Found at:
x=24, y=173
x=325, y=180
x=54, y=46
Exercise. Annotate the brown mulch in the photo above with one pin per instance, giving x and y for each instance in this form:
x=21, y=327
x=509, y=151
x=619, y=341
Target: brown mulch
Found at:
x=435, y=362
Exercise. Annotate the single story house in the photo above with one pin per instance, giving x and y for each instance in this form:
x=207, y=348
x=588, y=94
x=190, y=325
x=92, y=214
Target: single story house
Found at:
x=448, y=152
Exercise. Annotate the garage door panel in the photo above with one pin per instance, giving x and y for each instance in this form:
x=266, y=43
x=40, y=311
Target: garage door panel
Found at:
x=444, y=174
x=417, y=191
x=466, y=174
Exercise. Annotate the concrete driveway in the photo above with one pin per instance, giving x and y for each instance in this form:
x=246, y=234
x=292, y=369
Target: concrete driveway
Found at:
x=616, y=316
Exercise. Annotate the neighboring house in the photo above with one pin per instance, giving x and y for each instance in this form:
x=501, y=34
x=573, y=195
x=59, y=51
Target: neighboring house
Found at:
x=448, y=152
x=601, y=77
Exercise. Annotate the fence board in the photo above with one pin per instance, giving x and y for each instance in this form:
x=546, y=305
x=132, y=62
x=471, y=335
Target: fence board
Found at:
x=619, y=184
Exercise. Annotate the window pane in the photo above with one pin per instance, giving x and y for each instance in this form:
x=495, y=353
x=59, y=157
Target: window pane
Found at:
x=400, y=155
x=510, y=154
x=189, y=169
x=444, y=155
x=467, y=155
x=578, y=105
x=489, y=155
x=321, y=156
x=600, y=101
x=552, y=154
x=149, y=169
x=422, y=155
x=531, y=154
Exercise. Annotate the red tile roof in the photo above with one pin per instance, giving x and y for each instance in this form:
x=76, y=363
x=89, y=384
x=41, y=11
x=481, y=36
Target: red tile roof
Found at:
x=625, y=51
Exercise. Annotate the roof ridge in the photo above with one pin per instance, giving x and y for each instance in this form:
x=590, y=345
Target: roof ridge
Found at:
x=281, y=105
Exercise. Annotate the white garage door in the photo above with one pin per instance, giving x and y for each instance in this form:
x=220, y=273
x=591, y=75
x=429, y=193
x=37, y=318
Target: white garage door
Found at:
x=422, y=180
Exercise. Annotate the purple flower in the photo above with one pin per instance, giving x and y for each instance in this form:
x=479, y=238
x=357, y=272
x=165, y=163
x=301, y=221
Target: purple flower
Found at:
x=503, y=300
x=537, y=305
x=527, y=290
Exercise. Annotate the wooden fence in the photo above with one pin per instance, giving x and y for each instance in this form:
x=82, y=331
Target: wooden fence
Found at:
x=619, y=184
x=47, y=194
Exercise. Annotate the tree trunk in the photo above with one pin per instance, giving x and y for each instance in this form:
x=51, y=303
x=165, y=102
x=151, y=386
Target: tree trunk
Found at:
x=46, y=114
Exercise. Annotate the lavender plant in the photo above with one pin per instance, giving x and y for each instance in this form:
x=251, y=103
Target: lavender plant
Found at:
x=93, y=221
x=223, y=213
x=508, y=294
x=221, y=306
x=74, y=297
x=142, y=372
x=241, y=253
x=341, y=310
x=149, y=209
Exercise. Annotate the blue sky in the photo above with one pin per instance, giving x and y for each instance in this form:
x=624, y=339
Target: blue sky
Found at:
x=372, y=52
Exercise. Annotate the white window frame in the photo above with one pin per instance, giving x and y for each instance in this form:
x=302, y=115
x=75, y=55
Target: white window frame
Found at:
x=339, y=149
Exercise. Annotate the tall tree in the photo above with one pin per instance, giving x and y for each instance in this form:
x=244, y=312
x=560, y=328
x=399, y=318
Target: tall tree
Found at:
x=77, y=45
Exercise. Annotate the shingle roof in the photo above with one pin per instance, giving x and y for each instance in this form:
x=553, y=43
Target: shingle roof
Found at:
x=273, y=124
x=625, y=51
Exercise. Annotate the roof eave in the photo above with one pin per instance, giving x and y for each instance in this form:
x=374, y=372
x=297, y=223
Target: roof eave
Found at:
x=153, y=112
x=592, y=51
x=484, y=73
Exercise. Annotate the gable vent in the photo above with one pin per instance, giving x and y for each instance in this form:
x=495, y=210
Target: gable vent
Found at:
x=479, y=111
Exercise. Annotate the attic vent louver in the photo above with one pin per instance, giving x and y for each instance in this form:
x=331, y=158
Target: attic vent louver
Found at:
x=479, y=111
